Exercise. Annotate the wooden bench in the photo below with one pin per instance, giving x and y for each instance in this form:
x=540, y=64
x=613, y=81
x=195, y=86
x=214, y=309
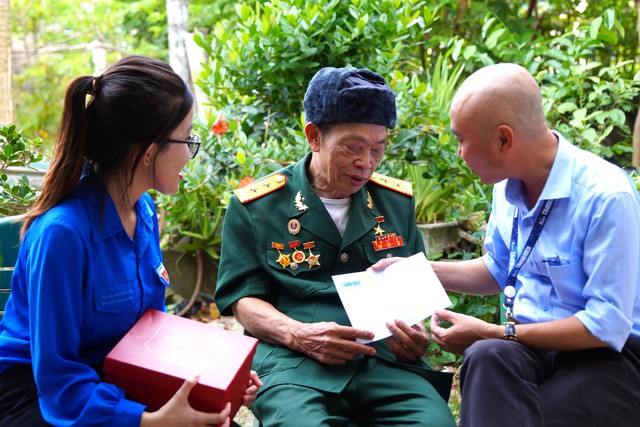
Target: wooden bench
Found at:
x=9, y=244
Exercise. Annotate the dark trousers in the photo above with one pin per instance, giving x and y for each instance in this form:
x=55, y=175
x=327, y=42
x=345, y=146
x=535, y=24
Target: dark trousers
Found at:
x=19, y=399
x=506, y=383
x=19, y=405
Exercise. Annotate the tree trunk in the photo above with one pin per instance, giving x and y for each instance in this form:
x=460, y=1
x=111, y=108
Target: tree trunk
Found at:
x=6, y=99
x=636, y=126
x=177, y=23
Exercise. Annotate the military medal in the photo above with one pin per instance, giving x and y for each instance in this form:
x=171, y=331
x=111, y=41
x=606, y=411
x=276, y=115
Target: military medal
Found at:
x=298, y=256
x=312, y=260
x=378, y=230
x=283, y=260
x=387, y=241
x=293, y=226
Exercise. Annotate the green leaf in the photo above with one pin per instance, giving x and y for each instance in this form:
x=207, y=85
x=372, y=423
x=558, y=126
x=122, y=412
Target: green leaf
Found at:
x=493, y=38
x=566, y=107
x=617, y=116
x=590, y=135
x=241, y=156
x=595, y=27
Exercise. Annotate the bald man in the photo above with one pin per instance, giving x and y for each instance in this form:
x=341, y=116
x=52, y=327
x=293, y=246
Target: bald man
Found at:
x=563, y=244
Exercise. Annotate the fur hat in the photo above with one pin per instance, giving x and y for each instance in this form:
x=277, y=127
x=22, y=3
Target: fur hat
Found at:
x=349, y=95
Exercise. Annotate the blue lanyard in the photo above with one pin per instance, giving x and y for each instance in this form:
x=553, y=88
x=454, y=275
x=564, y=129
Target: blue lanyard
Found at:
x=514, y=266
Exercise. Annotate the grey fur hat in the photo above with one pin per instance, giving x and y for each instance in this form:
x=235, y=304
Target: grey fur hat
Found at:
x=349, y=95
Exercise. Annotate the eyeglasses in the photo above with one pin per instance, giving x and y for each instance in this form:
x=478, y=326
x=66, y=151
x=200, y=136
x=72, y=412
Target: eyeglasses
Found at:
x=193, y=142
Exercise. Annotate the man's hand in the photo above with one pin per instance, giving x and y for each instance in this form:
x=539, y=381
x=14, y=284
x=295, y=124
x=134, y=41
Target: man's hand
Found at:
x=330, y=343
x=251, y=391
x=384, y=263
x=408, y=343
x=465, y=330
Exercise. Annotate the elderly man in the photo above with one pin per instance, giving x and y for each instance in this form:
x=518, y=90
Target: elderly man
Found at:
x=562, y=243
x=287, y=234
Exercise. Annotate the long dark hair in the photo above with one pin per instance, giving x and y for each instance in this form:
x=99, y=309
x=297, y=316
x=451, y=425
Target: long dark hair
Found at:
x=109, y=120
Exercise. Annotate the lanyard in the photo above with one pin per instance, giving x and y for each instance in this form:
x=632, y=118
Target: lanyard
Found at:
x=514, y=266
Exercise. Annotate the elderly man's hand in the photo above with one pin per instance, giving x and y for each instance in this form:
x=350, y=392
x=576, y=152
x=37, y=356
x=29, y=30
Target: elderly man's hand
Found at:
x=408, y=343
x=330, y=343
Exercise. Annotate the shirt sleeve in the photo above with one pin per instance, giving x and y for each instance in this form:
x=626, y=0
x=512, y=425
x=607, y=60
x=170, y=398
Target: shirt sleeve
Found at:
x=610, y=263
x=496, y=257
x=71, y=392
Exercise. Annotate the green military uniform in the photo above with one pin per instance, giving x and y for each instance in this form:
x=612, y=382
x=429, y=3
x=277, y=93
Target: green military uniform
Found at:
x=282, y=246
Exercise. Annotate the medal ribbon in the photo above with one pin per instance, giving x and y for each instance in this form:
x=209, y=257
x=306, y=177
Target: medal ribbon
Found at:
x=514, y=266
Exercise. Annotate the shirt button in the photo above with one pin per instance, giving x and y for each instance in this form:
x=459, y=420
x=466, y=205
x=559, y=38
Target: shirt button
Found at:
x=527, y=222
x=545, y=308
x=389, y=255
x=344, y=257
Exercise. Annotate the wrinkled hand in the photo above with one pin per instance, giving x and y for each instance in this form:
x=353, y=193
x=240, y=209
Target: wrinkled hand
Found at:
x=465, y=330
x=251, y=392
x=177, y=412
x=330, y=343
x=408, y=343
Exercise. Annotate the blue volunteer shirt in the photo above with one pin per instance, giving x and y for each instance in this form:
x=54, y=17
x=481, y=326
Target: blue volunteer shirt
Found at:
x=585, y=263
x=79, y=285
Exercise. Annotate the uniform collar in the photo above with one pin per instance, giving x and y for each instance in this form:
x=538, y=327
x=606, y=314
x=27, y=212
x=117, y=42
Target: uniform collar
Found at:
x=559, y=181
x=103, y=215
x=315, y=217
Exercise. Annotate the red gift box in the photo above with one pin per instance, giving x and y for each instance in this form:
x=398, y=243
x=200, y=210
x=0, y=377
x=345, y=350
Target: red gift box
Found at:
x=162, y=350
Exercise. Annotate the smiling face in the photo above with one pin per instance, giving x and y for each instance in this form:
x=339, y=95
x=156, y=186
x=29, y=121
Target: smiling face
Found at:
x=344, y=157
x=478, y=146
x=172, y=159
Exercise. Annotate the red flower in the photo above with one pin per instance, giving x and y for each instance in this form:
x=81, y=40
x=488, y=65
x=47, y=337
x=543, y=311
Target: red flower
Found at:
x=220, y=126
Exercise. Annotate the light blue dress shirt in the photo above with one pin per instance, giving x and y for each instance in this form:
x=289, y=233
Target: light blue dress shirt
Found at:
x=586, y=261
x=79, y=285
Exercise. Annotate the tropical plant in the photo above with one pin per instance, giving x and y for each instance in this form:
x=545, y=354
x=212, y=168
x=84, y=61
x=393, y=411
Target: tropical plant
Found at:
x=16, y=151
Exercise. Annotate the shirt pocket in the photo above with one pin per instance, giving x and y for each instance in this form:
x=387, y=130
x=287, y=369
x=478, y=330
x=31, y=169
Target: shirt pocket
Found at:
x=374, y=256
x=115, y=298
x=271, y=359
x=295, y=262
x=568, y=282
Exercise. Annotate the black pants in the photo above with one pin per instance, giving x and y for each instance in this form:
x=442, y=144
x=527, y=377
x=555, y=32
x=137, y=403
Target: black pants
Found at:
x=506, y=383
x=19, y=405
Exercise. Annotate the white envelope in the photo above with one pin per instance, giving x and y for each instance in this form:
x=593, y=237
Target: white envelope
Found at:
x=408, y=290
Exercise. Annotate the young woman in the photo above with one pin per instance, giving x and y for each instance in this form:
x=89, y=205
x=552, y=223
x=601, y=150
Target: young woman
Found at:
x=90, y=263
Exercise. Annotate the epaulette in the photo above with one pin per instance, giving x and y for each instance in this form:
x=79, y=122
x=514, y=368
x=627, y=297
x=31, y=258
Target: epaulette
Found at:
x=394, y=184
x=260, y=188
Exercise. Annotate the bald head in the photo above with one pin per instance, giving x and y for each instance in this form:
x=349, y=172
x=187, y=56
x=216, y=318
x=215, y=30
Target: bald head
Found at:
x=502, y=94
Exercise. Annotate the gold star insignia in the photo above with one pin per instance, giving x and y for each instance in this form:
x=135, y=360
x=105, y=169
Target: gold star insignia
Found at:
x=379, y=231
x=313, y=260
x=283, y=260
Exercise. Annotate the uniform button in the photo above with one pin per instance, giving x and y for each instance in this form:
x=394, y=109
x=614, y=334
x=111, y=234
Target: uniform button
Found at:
x=389, y=255
x=344, y=257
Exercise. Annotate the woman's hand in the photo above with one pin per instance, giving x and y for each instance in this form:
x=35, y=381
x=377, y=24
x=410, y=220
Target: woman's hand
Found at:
x=177, y=412
x=251, y=392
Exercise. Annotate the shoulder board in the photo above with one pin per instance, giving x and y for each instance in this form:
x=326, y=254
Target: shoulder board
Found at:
x=395, y=184
x=260, y=188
